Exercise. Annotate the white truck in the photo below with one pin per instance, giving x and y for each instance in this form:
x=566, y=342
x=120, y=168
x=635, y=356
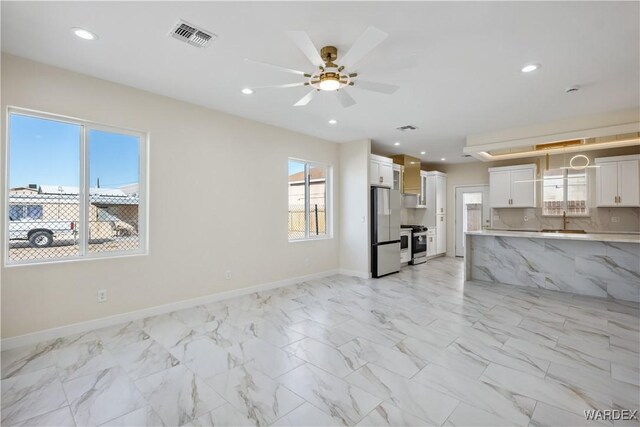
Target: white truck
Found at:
x=40, y=234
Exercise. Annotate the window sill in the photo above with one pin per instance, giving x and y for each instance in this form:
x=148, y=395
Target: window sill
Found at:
x=311, y=239
x=40, y=262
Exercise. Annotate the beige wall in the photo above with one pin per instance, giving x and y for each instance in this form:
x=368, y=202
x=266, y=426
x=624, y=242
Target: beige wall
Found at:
x=354, y=211
x=477, y=173
x=225, y=167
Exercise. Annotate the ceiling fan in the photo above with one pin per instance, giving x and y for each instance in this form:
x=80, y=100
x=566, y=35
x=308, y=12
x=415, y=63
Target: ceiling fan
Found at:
x=331, y=76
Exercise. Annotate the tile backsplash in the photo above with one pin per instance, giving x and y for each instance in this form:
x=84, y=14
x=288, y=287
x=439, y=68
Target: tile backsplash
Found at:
x=599, y=219
x=413, y=216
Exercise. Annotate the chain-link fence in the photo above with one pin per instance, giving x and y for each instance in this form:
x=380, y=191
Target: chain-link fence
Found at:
x=113, y=223
x=317, y=221
x=45, y=226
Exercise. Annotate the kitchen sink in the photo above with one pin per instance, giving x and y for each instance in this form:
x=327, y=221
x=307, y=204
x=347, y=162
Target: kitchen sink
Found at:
x=563, y=231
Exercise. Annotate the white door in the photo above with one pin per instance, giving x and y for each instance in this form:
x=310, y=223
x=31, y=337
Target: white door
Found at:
x=607, y=184
x=628, y=183
x=500, y=184
x=523, y=188
x=472, y=212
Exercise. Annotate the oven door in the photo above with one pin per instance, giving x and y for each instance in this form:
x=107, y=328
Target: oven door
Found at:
x=404, y=241
x=419, y=243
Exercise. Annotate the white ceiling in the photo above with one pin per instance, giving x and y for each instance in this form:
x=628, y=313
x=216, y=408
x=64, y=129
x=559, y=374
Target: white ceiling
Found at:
x=468, y=79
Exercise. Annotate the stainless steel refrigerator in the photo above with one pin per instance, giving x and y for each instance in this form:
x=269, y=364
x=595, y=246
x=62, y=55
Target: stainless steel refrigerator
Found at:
x=385, y=231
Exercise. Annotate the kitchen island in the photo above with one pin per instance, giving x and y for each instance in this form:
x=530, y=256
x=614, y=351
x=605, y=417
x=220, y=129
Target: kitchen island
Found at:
x=601, y=265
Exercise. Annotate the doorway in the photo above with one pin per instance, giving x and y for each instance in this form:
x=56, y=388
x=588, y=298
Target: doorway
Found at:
x=472, y=212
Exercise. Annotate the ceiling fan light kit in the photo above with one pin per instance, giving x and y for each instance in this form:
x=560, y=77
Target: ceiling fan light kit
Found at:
x=330, y=76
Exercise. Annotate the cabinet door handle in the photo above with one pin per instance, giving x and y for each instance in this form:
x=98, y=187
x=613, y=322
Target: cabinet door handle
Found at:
x=381, y=179
x=619, y=199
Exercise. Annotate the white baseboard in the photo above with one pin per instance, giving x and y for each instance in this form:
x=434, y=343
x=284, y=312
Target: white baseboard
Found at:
x=354, y=273
x=103, y=322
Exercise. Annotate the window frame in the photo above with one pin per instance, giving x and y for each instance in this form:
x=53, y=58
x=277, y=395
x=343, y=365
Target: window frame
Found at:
x=565, y=194
x=84, y=197
x=328, y=195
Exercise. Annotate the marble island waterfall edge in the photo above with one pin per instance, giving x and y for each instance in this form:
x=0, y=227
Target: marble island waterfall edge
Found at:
x=599, y=266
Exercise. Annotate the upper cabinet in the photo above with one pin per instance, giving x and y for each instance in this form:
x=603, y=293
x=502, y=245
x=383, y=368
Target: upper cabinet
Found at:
x=436, y=193
x=398, y=171
x=381, y=171
x=618, y=181
x=441, y=192
x=513, y=186
x=422, y=200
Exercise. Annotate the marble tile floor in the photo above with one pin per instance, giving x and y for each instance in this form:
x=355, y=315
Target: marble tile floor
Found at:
x=416, y=348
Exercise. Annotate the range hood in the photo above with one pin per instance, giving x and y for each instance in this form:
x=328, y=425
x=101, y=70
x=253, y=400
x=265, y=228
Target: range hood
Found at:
x=411, y=174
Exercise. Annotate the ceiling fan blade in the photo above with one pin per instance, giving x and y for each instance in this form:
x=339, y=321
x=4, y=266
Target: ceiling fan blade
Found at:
x=376, y=87
x=368, y=41
x=302, y=40
x=277, y=67
x=306, y=99
x=345, y=99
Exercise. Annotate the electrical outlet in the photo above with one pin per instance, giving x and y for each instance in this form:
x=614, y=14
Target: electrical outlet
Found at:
x=615, y=219
x=228, y=274
x=102, y=295
x=526, y=218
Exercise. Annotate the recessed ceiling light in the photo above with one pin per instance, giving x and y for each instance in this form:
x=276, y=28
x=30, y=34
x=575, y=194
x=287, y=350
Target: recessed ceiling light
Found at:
x=423, y=152
x=442, y=159
x=333, y=121
x=247, y=91
x=529, y=68
x=84, y=34
x=396, y=143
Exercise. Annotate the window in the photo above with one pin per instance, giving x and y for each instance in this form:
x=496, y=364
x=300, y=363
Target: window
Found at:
x=565, y=190
x=75, y=189
x=17, y=212
x=308, y=200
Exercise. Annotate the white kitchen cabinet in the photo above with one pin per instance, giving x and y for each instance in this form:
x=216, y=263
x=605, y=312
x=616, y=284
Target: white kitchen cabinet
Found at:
x=397, y=177
x=441, y=234
x=513, y=186
x=422, y=201
x=441, y=193
x=431, y=243
x=381, y=171
x=436, y=188
x=618, y=181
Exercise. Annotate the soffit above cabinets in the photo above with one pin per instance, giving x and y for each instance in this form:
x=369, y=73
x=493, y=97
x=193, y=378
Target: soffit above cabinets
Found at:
x=552, y=138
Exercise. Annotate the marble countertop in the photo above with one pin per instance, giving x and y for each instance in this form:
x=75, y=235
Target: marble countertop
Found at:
x=596, y=237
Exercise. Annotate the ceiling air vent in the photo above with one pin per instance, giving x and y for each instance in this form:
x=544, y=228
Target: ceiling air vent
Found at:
x=406, y=128
x=191, y=34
